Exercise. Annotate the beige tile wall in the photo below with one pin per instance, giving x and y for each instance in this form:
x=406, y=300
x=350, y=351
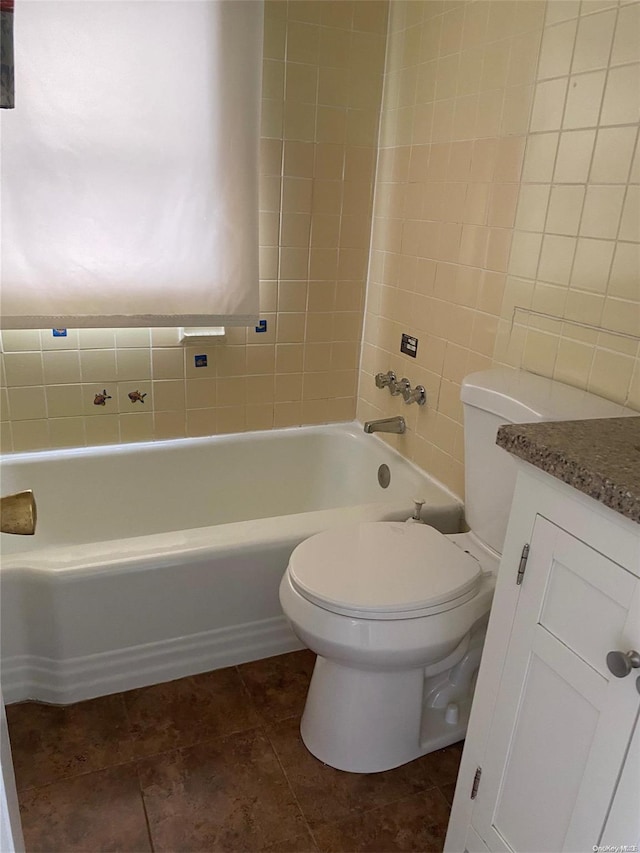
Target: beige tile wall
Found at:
x=575, y=262
x=505, y=181
x=458, y=88
x=323, y=65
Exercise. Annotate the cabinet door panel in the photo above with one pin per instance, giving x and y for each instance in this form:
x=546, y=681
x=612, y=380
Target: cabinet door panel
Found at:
x=561, y=728
x=555, y=726
x=582, y=616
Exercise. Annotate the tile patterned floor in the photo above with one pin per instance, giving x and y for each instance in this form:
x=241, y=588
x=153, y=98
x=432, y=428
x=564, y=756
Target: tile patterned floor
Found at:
x=210, y=763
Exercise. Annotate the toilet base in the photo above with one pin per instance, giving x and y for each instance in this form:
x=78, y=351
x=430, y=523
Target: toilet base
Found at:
x=367, y=721
x=360, y=720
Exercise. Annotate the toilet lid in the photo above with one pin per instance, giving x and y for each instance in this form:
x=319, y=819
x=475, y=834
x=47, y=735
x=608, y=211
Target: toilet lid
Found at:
x=383, y=570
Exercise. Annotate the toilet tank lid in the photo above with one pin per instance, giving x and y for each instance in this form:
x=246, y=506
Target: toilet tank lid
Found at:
x=521, y=397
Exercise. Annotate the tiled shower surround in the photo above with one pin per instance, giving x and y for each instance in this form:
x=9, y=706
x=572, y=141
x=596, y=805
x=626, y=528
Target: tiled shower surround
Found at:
x=501, y=153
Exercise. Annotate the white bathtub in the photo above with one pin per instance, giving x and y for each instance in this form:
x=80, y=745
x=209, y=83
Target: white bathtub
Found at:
x=154, y=561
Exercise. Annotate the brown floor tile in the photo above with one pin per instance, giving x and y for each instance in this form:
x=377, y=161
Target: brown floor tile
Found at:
x=52, y=742
x=227, y=794
x=417, y=823
x=448, y=792
x=188, y=711
x=443, y=765
x=99, y=811
x=222, y=767
x=278, y=685
x=299, y=844
x=327, y=795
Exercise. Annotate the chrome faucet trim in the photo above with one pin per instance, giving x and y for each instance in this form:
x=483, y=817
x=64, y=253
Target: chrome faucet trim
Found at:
x=399, y=387
x=396, y=425
x=385, y=380
x=414, y=395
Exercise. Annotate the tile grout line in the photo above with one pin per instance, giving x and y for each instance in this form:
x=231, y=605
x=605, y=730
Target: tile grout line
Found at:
x=147, y=820
x=60, y=779
x=293, y=793
x=135, y=763
x=380, y=807
x=275, y=752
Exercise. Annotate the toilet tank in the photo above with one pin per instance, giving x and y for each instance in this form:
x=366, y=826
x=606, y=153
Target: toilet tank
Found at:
x=494, y=397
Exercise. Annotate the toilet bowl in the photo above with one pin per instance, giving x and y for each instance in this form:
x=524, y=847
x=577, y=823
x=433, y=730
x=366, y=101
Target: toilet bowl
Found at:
x=396, y=614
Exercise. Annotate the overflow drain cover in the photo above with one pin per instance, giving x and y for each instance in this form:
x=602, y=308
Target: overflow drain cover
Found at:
x=384, y=476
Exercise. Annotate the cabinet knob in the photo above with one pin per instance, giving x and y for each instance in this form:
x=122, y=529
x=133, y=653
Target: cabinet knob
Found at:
x=621, y=663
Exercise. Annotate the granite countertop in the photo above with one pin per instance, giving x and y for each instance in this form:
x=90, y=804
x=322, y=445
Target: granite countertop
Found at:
x=598, y=457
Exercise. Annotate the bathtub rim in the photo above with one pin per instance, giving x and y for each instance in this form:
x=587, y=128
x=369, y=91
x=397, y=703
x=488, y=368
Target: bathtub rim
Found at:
x=354, y=429
x=126, y=554
x=189, y=544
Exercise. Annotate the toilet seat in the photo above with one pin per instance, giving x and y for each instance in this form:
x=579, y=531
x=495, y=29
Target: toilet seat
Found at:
x=383, y=570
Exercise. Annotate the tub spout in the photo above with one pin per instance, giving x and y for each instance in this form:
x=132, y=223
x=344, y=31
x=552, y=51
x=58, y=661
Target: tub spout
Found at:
x=396, y=425
x=18, y=514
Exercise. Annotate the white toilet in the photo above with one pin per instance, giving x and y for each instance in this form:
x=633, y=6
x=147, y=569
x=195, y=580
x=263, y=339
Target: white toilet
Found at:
x=397, y=612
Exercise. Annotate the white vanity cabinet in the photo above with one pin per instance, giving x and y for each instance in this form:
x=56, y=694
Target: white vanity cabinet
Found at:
x=552, y=756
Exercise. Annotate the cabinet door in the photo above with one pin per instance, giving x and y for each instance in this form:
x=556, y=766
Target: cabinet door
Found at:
x=562, y=723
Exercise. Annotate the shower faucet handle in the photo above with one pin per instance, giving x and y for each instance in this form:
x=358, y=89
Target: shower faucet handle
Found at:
x=385, y=380
x=414, y=395
x=400, y=387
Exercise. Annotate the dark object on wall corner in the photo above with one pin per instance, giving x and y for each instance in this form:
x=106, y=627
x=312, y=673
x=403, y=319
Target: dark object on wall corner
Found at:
x=7, y=98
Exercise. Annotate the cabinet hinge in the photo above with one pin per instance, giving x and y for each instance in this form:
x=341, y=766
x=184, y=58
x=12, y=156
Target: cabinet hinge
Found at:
x=523, y=564
x=476, y=783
